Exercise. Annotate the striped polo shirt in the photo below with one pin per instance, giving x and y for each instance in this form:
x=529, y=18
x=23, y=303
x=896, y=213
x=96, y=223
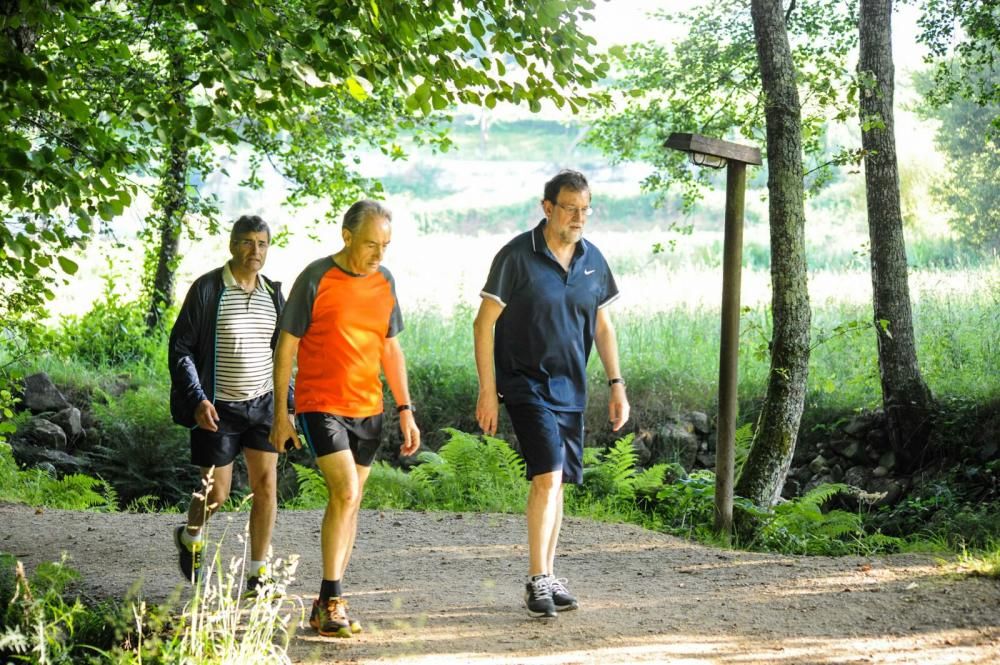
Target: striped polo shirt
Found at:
x=243, y=357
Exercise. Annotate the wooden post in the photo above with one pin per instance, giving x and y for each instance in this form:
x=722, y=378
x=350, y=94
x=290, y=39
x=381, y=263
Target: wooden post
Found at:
x=732, y=260
x=716, y=153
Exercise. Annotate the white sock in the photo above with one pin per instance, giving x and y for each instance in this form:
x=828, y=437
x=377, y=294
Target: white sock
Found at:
x=257, y=569
x=189, y=540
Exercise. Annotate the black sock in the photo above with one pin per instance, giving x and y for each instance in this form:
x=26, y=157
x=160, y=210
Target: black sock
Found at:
x=330, y=589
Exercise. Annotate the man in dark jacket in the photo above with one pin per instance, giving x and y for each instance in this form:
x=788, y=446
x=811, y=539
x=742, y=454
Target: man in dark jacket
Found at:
x=220, y=356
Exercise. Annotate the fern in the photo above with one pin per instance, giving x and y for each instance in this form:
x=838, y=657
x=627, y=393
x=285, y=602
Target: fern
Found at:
x=614, y=475
x=312, y=488
x=389, y=487
x=742, y=441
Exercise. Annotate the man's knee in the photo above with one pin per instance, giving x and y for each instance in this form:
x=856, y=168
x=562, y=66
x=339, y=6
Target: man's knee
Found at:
x=546, y=483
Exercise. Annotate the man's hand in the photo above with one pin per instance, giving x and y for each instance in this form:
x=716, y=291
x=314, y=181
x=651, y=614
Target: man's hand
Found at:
x=411, y=435
x=488, y=412
x=206, y=416
x=618, y=407
x=283, y=429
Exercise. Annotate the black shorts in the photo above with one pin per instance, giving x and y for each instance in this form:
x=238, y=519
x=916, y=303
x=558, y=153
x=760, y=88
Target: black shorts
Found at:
x=549, y=440
x=245, y=424
x=327, y=433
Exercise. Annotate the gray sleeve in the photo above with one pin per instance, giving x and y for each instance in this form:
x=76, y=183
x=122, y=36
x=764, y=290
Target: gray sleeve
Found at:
x=297, y=314
x=396, y=317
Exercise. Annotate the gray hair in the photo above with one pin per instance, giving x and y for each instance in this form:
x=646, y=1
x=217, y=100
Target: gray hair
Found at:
x=361, y=211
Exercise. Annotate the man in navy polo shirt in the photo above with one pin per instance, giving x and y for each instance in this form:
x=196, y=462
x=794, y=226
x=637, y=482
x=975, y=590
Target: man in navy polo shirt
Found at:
x=543, y=308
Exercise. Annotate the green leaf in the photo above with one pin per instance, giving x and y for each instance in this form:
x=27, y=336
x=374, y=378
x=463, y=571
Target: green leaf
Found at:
x=356, y=89
x=69, y=267
x=76, y=109
x=203, y=118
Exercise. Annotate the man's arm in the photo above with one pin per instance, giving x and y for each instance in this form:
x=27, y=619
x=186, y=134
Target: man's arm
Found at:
x=607, y=349
x=394, y=367
x=183, y=345
x=282, y=428
x=488, y=403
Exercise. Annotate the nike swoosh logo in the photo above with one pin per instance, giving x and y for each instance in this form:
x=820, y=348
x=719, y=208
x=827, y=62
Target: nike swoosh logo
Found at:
x=589, y=272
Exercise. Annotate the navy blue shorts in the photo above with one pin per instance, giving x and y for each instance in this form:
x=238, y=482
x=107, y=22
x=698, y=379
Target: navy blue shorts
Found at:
x=549, y=440
x=244, y=424
x=327, y=433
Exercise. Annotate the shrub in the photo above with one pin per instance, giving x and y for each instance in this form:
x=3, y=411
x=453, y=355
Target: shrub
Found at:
x=141, y=452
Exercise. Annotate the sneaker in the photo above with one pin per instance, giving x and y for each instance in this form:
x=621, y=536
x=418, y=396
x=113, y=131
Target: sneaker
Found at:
x=263, y=585
x=188, y=557
x=331, y=621
x=561, y=597
x=538, y=597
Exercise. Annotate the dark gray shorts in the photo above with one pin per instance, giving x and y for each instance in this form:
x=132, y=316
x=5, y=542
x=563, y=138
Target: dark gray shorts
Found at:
x=245, y=424
x=328, y=433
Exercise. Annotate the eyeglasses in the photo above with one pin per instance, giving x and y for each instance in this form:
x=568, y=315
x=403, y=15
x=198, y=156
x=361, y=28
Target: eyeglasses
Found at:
x=573, y=211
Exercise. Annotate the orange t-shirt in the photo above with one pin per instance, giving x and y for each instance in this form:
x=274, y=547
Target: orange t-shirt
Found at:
x=342, y=320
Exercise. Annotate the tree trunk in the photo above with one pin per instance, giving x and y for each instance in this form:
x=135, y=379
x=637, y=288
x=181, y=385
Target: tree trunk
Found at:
x=770, y=455
x=171, y=199
x=905, y=396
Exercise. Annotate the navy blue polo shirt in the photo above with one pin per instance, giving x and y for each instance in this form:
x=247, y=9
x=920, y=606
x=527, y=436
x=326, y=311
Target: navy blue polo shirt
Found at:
x=544, y=335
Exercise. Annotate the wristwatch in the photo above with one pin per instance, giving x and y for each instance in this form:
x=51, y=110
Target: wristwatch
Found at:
x=619, y=379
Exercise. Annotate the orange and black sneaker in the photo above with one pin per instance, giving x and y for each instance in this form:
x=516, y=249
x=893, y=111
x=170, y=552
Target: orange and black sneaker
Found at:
x=330, y=618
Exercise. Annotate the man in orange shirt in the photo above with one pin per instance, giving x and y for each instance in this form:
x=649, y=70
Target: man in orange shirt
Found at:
x=341, y=323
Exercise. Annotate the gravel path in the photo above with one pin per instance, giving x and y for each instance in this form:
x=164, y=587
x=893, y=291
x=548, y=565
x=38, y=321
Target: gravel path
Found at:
x=440, y=588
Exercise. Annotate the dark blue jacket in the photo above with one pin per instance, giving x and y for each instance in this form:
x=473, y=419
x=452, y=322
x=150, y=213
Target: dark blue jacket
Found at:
x=192, y=351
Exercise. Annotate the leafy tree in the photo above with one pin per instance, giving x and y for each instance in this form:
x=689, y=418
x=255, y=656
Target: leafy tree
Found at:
x=969, y=31
x=101, y=93
x=708, y=82
x=64, y=161
x=905, y=396
x=972, y=145
x=770, y=454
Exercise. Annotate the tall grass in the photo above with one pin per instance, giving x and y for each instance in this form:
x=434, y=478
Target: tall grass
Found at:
x=670, y=357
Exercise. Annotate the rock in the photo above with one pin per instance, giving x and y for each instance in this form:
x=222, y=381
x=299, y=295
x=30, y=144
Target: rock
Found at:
x=839, y=446
x=837, y=473
x=857, y=476
x=880, y=472
x=988, y=451
x=699, y=421
x=59, y=461
x=803, y=474
x=40, y=394
x=877, y=438
x=674, y=442
x=48, y=468
x=69, y=420
x=819, y=464
x=816, y=481
x=888, y=460
x=790, y=489
x=859, y=425
x=41, y=432
x=641, y=444
x=854, y=452
x=891, y=488
x=706, y=460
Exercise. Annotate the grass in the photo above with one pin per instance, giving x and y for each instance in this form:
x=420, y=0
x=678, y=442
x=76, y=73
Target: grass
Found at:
x=670, y=357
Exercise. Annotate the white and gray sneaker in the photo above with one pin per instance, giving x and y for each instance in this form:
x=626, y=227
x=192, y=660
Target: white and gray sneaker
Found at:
x=538, y=597
x=561, y=597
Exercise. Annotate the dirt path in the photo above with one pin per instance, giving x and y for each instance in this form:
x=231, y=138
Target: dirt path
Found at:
x=441, y=588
